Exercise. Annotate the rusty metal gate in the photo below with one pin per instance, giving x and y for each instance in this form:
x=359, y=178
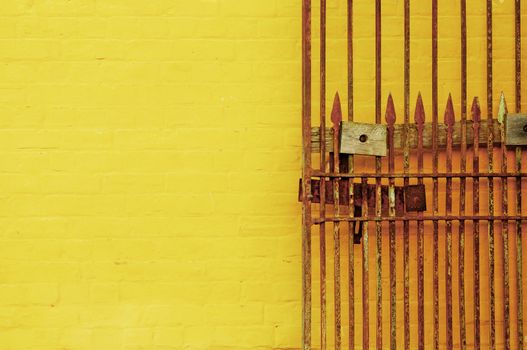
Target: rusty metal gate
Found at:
x=399, y=195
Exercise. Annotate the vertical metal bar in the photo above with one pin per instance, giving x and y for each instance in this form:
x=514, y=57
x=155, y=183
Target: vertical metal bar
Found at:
x=420, y=121
x=449, y=122
x=434, y=169
x=336, y=118
x=463, y=181
x=518, y=179
x=518, y=56
x=406, y=161
x=351, y=166
x=323, y=313
x=350, y=60
x=476, y=118
x=378, y=169
x=306, y=174
x=502, y=111
x=519, y=258
x=390, y=120
x=365, y=269
x=490, y=155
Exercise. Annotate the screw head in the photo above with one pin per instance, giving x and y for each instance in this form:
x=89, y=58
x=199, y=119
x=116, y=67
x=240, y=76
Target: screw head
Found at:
x=363, y=138
x=525, y=128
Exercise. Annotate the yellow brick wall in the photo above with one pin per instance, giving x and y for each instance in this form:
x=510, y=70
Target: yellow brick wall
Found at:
x=149, y=157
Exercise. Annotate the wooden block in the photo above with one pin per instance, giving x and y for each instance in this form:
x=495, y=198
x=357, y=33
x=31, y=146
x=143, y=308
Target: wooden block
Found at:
x=516, y=130
x=365, y=139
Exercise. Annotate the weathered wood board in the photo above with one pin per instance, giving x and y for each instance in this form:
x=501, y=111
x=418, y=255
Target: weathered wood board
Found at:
x=516, y=130
x=412, y=136
x=361, y=138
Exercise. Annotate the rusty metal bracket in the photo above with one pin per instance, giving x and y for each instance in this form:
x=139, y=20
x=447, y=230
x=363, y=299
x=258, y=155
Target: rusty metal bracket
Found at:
x=411, y=198
x=357, y=193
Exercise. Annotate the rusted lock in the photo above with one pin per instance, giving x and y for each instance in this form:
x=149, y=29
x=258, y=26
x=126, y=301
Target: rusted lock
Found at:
x=364, y=139
x=516, y=130
x=415, y=198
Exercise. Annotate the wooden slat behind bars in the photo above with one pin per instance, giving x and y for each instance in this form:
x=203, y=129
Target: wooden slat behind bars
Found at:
x=412, y=136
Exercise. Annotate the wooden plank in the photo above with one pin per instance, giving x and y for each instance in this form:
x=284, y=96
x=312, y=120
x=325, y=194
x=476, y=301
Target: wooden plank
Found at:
x=365, y=139
x=412, y=136
x=516, y=134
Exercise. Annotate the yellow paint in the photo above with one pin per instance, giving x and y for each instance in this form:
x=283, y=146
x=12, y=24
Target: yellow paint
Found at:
x=149, y=159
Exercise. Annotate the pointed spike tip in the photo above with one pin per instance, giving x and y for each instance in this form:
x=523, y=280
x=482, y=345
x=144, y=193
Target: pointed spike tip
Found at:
x=336, y=113
x=419, y=115
x=450, y=117
x=390, y=111
x=476, y=110
x=502, y=110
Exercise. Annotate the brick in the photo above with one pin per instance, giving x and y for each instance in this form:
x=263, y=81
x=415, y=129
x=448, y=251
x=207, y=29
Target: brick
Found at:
x=76, y=338
x=245, y=9
x=29, y=294
x=169, y=337
x=65, y=8
x=15, y=7
x=249, y=314
x=137, y=338
x=30, y=49
x=107, y=338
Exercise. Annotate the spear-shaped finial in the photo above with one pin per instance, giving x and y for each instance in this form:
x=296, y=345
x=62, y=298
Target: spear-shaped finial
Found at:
x=390, y=111
x=419, y=116
x=336, y=113
x=450, y=117
x=476, y=111
x=502, y=110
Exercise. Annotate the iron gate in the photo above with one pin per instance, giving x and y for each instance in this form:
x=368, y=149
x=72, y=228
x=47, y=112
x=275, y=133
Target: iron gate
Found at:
x=393, y=198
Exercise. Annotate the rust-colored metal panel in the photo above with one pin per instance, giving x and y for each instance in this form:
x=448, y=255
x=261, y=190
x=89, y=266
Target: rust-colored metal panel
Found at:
x=415, y=198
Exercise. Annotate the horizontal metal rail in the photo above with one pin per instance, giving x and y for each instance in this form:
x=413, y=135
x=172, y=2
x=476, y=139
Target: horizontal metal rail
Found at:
x=317, y=173
x=317, y=221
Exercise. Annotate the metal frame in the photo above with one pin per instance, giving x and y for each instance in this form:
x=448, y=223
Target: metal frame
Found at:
x=340, y=209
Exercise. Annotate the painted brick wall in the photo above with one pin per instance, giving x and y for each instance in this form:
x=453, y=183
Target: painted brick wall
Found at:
x=149, y=157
